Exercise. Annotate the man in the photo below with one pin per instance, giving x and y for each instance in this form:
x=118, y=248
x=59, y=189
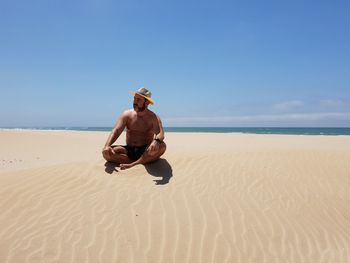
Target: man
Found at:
x=144, y=134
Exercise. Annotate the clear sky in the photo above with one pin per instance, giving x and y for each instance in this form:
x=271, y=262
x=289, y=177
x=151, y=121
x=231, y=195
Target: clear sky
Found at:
x=207, y=63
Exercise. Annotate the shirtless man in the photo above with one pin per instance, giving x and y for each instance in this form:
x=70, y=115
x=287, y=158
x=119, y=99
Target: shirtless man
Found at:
x=144, y=134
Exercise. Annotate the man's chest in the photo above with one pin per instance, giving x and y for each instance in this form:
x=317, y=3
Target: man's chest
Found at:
x=139, y=124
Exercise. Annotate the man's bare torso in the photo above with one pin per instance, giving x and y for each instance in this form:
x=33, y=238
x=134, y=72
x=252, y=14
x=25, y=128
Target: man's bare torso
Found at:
x=140, y=129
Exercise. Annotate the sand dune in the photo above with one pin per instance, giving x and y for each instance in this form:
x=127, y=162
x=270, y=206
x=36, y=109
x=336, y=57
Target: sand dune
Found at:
x=211, y=198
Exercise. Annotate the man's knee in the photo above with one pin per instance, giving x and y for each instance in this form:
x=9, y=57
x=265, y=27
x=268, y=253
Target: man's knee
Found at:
x=108, y=156
x=157, y=152
x=119, y=150
x=162, y=149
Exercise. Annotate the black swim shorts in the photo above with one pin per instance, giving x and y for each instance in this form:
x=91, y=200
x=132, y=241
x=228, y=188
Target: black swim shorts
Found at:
x=135, y=152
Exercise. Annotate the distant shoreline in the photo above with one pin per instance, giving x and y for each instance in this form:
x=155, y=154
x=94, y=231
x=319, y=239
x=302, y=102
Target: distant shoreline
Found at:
x=244, y=130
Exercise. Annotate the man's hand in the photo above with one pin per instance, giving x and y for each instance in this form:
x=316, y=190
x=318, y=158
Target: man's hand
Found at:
x=153, y=147
x=107, y=152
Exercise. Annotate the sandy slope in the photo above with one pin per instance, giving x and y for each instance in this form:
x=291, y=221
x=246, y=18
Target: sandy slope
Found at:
x=211, y=198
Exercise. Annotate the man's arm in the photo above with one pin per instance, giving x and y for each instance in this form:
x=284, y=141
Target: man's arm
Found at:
x=117, y=130
x=158, y=136
x=158, y=130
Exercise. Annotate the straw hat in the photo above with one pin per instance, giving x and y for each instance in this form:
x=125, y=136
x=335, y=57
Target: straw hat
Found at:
x=144, y=93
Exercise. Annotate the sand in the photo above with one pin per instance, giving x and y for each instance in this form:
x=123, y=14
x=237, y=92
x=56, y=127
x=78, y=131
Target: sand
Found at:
x=211, y=198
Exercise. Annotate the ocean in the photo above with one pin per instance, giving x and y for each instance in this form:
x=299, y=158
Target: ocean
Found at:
x=249, y=130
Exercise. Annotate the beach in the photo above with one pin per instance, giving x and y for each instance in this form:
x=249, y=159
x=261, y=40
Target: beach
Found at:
x=210, y=198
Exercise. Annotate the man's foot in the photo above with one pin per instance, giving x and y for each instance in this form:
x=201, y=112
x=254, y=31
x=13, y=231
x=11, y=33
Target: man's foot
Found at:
x=125, y=166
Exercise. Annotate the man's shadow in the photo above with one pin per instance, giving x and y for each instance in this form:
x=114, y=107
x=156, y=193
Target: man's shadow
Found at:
x=111, y=167
x=160, y=168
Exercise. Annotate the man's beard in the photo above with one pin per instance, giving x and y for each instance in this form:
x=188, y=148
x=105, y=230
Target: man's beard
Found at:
x=139, y=109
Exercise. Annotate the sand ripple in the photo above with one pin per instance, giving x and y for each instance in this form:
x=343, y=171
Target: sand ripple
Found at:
x=272, y=206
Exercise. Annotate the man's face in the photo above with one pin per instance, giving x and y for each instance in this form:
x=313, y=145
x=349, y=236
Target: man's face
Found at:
x=140, y=103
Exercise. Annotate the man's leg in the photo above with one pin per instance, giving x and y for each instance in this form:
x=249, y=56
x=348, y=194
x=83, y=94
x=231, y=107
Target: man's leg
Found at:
x=119, y=157
x=146, y=157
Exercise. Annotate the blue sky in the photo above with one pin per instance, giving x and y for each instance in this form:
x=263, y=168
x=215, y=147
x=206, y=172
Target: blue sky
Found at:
x=207, y=63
